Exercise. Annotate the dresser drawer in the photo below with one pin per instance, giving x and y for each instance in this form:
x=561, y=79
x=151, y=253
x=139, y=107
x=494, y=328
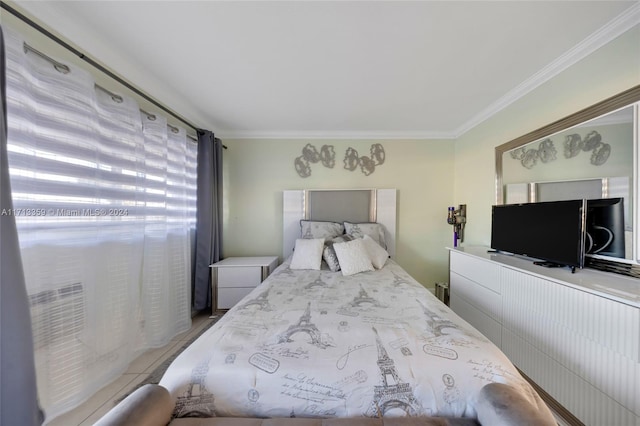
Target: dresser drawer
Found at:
x=480, y=271
x=482, y=322
x=239, y=276
x=479, y=296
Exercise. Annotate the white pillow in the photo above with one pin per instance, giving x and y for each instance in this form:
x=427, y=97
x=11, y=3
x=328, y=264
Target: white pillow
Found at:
x=353, y=257
x=377, y=254
x=329, y=254
x=307, y=254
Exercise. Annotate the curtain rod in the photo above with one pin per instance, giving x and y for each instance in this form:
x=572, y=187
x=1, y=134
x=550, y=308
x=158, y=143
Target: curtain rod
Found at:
x=92, y=63
x=64, y=69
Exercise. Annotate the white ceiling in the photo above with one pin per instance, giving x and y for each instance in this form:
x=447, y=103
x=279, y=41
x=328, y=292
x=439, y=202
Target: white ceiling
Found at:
x=388, y=69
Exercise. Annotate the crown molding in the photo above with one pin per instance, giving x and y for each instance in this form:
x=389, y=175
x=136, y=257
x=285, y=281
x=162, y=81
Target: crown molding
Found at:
x=613, y=29
x=319, y=134
x=616, y=27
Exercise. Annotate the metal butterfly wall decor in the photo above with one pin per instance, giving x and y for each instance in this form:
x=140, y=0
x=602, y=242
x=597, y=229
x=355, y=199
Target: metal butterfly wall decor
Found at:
x=574, y=144
x=352, y=160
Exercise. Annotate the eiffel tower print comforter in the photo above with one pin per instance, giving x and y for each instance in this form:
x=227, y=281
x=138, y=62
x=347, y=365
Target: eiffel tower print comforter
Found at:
x=309, y=343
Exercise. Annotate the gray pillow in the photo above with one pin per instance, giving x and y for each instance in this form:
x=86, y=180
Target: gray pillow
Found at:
x=329, y=253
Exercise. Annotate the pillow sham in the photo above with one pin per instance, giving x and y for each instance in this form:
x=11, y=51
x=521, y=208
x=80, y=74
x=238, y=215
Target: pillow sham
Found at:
x=329, y=253
x=372, y=229
x=307, y=254
x=320, y=229
x=353, y=257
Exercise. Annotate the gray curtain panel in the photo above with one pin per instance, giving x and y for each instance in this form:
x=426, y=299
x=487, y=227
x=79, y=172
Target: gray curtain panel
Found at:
x=208, y=216
x=19, y=396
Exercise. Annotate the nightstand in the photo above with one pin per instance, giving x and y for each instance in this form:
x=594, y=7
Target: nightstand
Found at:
x=235, y=277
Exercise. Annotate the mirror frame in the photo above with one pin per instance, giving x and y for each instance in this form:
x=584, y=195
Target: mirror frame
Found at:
x=613, y=103
x=608, y=105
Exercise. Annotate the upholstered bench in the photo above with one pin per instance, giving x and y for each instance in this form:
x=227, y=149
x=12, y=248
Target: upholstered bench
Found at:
x=498, y=405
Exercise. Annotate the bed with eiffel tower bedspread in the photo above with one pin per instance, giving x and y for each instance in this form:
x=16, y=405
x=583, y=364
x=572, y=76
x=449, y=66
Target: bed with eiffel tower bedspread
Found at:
x=309, y=343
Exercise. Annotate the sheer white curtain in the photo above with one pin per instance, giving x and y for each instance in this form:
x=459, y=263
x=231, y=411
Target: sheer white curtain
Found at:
x=103, y=210
x=166, y=277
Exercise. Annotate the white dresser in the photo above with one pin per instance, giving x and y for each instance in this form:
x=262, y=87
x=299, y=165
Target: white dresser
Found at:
x=576, y=335
x=235, y=277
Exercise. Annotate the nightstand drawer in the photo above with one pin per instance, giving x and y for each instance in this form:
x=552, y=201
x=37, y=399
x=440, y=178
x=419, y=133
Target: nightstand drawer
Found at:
x=227, y=297
x=239, y=276
x=234, y=277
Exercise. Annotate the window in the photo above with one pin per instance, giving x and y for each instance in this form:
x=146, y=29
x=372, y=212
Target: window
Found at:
x=104, y=199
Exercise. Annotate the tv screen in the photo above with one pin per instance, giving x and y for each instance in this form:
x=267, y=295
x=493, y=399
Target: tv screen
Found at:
x=551, y=231
x=605, y=227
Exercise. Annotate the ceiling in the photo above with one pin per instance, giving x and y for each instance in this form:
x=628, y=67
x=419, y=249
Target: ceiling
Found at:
x=337, y=69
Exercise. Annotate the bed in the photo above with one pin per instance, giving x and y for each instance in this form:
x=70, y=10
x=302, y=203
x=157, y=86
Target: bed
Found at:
x=323, y=343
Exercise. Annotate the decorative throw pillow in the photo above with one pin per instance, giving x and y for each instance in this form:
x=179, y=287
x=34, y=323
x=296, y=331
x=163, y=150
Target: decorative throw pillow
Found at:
x=372, y=229
x=330, y=258
x=320, y=229
x=377, y=254
x=353, y=257
x=307, y=254
x=329, y=253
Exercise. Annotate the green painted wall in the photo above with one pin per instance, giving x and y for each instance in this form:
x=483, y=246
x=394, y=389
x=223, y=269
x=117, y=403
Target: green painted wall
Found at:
x=612, y=69
x=430, y=175
x=257, y=171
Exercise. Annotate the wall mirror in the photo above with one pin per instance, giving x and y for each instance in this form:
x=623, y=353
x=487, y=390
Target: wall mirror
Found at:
x=591, y=154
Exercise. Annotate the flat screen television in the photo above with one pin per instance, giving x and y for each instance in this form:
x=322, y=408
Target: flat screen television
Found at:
x=552, y=231
x=605, y=227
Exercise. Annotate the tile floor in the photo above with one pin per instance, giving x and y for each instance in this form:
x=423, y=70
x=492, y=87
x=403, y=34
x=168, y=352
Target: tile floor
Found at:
x=101, y=402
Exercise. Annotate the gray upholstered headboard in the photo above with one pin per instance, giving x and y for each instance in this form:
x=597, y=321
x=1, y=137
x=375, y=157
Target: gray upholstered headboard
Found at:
x=353, y=205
